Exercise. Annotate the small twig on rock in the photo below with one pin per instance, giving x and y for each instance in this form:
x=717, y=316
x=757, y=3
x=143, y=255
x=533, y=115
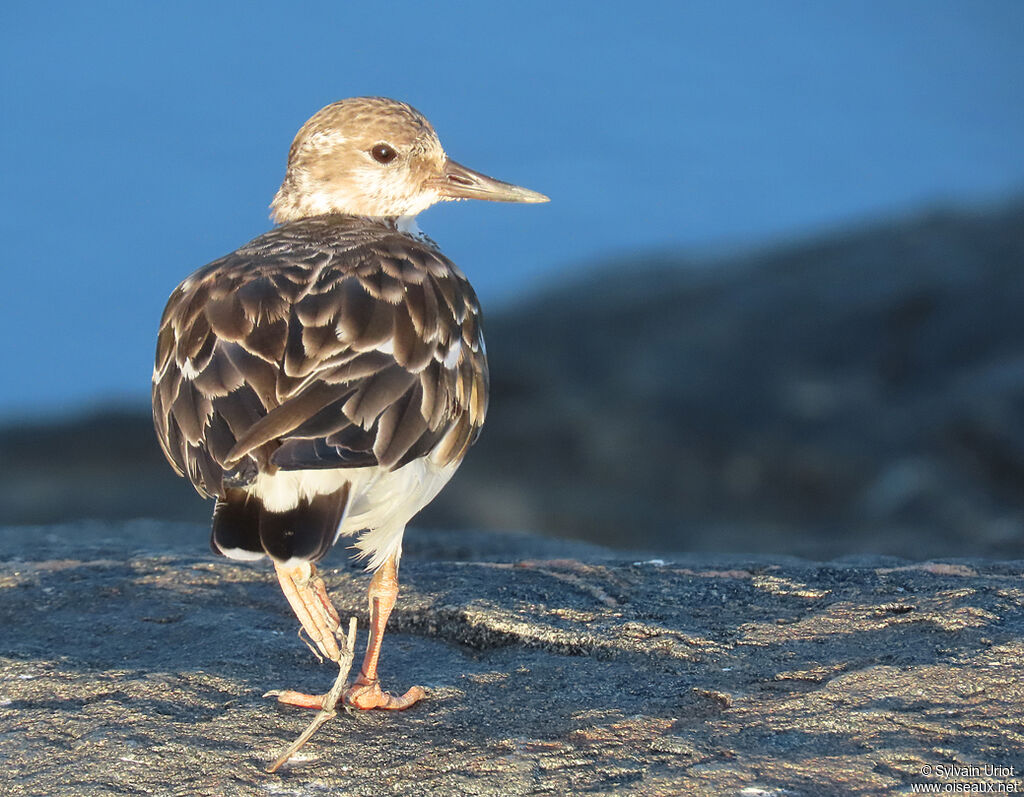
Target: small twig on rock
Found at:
x=330, y=699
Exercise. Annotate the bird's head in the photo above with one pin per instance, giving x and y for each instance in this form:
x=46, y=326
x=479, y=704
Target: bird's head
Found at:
x=371, y=156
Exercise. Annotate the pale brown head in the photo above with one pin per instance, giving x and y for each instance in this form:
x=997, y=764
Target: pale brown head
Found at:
x=371, y=156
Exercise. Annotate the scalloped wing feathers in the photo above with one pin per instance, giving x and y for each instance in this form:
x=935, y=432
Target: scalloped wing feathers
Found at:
x=326, y=343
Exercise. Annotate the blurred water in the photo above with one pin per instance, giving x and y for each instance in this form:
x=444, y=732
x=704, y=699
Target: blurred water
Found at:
x=142, y=140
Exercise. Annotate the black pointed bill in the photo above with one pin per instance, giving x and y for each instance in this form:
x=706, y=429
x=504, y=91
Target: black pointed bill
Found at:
x=458, y=182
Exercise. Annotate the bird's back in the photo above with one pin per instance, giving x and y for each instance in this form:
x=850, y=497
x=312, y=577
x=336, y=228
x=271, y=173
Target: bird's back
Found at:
x=333, y=344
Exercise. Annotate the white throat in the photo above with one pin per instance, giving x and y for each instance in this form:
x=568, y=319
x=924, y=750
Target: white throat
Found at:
x=408, y=225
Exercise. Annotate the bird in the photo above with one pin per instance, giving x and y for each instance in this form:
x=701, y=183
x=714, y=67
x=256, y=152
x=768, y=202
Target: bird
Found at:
x=325, y=380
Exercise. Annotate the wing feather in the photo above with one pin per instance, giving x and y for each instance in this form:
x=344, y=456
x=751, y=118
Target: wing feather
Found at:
x=400, y=426
x=326, y=343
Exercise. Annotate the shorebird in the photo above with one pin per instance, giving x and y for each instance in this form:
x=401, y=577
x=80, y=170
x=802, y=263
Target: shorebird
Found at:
x=327, y=378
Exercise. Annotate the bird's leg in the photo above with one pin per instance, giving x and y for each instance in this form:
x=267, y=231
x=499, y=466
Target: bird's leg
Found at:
x=308, y=598
x=329, y=701
x=307, y=595
x=366, y=693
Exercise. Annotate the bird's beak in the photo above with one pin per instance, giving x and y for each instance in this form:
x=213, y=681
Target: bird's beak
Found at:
x=458, y=182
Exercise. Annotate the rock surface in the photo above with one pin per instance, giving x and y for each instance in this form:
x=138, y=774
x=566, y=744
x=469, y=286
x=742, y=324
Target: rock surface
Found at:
x=131, y=662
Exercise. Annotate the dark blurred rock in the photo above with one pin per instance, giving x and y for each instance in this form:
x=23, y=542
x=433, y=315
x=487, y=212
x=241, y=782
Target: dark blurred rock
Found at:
x=131, y=663
x=861, y=392
x=868, y=386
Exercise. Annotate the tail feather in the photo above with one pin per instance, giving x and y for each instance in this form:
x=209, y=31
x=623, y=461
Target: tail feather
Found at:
x=235, y=531
x=243, y=528
x=305, y=532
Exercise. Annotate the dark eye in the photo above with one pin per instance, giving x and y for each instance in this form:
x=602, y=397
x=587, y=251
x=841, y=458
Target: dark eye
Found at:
x=382, y=153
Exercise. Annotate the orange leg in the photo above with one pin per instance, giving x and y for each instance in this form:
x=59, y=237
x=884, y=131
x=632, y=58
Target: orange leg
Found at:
x=366, y=693
x=307, y=596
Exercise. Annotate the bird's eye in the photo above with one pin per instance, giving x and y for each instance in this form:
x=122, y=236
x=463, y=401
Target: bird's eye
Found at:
x=382, y=153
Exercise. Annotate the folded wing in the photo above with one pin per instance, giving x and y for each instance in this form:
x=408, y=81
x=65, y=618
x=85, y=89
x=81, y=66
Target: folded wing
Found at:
x=326, y=343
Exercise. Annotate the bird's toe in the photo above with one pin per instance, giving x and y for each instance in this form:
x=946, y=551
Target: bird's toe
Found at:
x=365, y=696
x=292, y=698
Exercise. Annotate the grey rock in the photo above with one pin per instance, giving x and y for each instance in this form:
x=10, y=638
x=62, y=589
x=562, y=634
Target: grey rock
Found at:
x=131, y=662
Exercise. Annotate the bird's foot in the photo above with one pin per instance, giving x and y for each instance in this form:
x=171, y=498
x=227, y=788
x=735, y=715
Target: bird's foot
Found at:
x=366, y=695
x=363, y=695
x=327, y=703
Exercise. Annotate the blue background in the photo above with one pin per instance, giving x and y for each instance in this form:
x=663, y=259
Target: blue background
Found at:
x=140, y=141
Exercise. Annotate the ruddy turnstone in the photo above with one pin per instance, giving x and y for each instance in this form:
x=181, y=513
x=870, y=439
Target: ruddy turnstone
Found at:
x=326, y=379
